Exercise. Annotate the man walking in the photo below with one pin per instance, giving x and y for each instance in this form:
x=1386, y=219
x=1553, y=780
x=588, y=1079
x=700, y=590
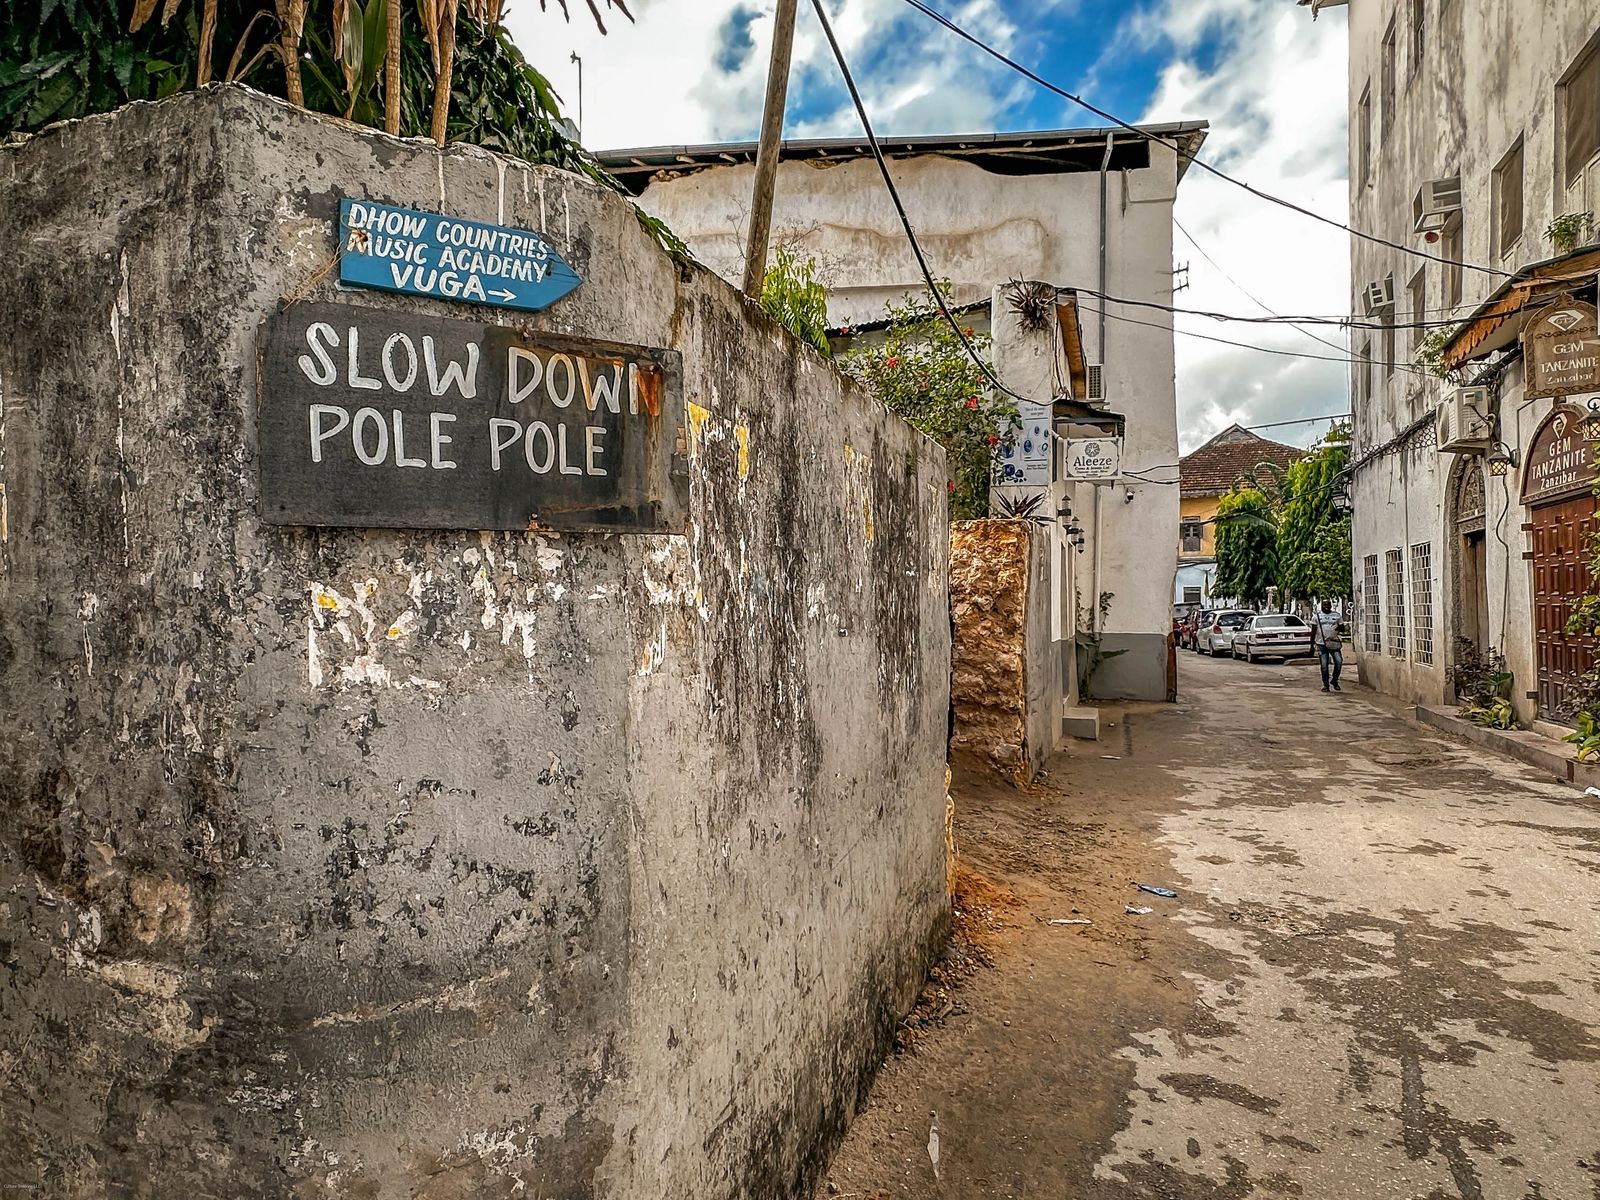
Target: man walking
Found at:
x=1330, y=652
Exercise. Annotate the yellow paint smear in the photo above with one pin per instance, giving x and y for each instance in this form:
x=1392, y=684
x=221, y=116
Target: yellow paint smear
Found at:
x=742, y=434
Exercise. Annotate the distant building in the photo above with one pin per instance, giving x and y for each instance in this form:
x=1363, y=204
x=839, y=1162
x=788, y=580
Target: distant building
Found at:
x=1085, y=209
x=1474, y=138
x=1204, y=476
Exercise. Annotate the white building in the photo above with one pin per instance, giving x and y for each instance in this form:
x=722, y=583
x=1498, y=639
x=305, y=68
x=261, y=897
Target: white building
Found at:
x=1474, y=124
x=1086, y=209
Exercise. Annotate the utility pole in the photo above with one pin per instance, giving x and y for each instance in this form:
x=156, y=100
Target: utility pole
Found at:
x=755, y=253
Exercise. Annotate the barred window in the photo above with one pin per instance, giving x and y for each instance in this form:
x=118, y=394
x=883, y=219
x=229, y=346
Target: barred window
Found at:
x=1394, y=569
x=1422, y=602
x=1369, y=604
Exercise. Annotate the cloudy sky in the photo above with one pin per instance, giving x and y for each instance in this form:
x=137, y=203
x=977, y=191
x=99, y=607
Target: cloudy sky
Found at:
x=1270, y=82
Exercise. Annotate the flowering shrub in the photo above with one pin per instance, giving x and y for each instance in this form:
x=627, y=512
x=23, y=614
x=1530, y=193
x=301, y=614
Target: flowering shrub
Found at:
x=922, y=372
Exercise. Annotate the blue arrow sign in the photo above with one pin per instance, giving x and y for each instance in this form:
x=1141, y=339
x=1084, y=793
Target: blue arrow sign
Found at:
x=398, y=249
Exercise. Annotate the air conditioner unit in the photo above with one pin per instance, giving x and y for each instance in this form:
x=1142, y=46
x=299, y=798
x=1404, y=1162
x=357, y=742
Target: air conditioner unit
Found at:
x=1463, y=422
x=1379, y=295
x=1094, y=383
x=1437, y=204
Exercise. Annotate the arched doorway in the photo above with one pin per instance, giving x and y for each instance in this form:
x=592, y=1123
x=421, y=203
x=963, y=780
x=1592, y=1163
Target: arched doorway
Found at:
x=1558, y=489
x=1470, y=572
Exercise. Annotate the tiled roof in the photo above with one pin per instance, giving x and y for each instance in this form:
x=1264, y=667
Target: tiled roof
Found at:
x=1213, y=468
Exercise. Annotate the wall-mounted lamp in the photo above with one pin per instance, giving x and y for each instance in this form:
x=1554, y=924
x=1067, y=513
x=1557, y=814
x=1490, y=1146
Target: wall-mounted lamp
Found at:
x=1591, y=426
x=1501, y=460
x=1127, y=496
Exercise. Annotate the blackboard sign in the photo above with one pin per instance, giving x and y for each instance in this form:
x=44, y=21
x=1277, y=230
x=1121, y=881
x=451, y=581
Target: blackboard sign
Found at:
x=382, y=419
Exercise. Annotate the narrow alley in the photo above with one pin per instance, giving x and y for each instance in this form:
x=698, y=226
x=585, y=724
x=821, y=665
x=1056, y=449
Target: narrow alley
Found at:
x=1380, y=976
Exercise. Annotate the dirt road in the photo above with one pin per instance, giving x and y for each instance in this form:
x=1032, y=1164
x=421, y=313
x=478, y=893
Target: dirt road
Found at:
x=1380, y=978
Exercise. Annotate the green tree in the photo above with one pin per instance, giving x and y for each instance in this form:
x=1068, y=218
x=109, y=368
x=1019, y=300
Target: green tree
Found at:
x=922, y=372
x=792, y=296
x=1313, y=536
x=1247, y=545
x=81, y=57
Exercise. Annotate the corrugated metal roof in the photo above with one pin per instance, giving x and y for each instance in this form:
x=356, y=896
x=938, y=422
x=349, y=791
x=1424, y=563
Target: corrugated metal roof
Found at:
x=1038, y=152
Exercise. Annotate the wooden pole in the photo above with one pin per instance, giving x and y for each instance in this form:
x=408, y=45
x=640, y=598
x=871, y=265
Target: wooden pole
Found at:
x=755, y=253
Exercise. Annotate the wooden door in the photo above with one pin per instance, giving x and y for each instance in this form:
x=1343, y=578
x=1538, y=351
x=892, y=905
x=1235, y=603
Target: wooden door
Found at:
x=1560, y=577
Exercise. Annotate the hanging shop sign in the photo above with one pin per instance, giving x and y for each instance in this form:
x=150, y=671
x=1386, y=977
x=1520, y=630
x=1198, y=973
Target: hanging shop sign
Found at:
x=1562, y=346
x=397, y=249
x=1561, y=457
x=380, y=419
x=1026, y=462
x=1091, y=460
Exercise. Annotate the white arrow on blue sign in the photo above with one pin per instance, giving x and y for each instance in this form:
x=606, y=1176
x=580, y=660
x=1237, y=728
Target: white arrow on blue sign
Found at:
x=398, y=249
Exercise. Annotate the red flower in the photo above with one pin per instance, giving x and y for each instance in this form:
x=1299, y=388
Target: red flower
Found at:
x=844, y=331
x=891, y=361
x=967, y=331
x=951, y=486
x=993, y=441
x=972, y=402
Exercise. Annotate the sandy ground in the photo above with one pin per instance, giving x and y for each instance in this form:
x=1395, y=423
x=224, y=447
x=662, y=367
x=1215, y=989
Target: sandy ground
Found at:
x=1380, y=978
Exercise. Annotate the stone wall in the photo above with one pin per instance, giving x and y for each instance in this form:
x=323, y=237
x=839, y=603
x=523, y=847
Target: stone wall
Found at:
x=1004, y=685
x=370, y=863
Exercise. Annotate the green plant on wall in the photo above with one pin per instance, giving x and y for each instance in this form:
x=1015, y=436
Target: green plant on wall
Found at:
x=792, y=296
x=1091, y=636
x=1429, y=355
x=1569, y=231
x=922, y=372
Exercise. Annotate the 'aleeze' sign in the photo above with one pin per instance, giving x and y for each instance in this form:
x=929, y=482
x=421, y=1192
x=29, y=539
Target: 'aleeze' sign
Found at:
x=389, y=420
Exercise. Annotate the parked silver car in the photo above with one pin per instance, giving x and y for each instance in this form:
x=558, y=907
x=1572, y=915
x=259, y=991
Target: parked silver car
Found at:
x=1216, y=635
x=1272, y=635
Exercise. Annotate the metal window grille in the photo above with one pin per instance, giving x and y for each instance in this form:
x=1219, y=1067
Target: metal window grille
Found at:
x=1422, y=602
x=1369, y=603
x=1394, y=569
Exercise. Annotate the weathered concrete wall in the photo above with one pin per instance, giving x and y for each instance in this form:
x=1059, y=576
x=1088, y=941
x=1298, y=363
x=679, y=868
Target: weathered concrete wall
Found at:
x=340, y=863
x=1004, y=686
x=980, y=229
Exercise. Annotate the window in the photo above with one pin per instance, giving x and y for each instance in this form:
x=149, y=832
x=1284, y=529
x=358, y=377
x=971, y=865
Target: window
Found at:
x=1419, y=307
x=1450, y=248
x=1395, y=578
x=1386, y=81
x=1508, y=200
x=1580, y=108
x=1191, y=595
x=1419, y=32
x=1369, y=602
x=1387, y=317
x=1193, y=535
x=1422, y=601
x=1364, y=137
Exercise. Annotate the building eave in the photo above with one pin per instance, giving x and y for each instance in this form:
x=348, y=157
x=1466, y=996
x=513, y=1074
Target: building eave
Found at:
x=1035, y=152
x=1498, y=321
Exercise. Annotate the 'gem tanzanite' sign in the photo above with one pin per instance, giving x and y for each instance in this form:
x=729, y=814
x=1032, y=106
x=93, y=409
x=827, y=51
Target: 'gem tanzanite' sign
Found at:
x=398, y=249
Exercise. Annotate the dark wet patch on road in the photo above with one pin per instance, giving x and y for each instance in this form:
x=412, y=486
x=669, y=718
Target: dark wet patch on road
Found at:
x=1207, y=1087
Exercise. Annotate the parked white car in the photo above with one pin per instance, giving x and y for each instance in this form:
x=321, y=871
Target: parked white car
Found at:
x=1272, y=635
x=1216, y=635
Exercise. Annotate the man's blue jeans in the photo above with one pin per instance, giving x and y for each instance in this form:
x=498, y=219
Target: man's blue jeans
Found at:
x=1328, y=657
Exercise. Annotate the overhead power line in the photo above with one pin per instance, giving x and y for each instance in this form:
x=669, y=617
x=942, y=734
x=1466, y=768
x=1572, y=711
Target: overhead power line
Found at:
x=940, y=18
x=900, y=208
x=927, y=273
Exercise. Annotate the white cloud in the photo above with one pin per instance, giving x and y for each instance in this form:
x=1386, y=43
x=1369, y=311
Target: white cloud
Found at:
x=1275, y=98
x=1270, y=82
